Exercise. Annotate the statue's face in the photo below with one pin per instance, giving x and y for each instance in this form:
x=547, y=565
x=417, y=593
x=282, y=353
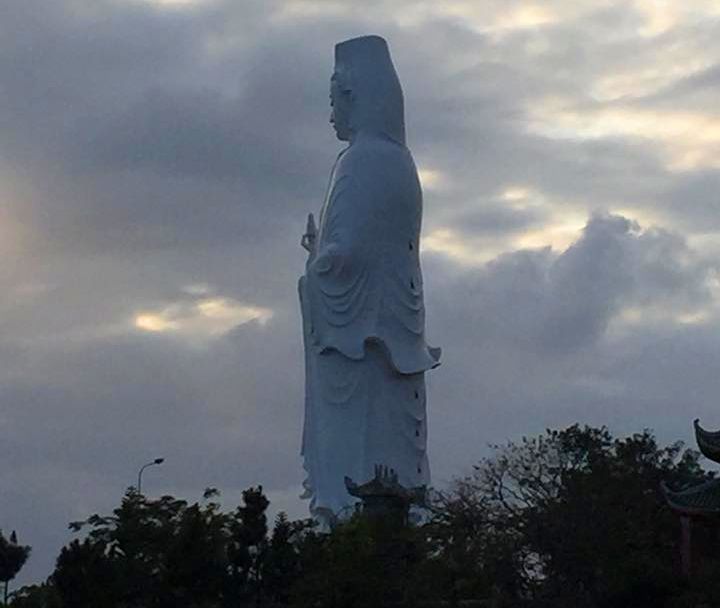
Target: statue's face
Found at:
x=340, y=100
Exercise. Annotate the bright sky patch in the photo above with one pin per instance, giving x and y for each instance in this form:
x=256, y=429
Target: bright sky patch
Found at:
x=689, y=140
x=208, y=317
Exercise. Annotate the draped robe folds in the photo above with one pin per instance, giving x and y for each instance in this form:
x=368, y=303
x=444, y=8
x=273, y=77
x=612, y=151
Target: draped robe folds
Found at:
x=364, y=328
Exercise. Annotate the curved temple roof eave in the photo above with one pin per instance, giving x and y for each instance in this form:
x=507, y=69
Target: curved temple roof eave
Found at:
x=708, y=441
x=685, y=502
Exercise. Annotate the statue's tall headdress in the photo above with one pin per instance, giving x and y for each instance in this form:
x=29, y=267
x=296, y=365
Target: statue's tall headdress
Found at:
x=364, y=66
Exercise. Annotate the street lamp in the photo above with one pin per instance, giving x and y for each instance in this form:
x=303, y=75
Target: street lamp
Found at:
x=142, y=468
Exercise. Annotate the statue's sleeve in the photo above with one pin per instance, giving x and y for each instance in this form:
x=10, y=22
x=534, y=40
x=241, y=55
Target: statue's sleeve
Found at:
x=339, y=275
x=365, y=282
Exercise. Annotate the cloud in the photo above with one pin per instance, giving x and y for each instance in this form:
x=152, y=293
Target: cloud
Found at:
x=547, y=300
x=689, y=140
x=208, y=317
x=536, y=337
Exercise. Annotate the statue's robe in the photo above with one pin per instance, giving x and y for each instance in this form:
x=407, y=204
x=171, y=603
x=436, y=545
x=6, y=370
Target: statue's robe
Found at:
x=364, y=327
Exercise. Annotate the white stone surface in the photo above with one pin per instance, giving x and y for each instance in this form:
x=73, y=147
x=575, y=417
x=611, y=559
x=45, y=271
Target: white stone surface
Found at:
x=362, y=294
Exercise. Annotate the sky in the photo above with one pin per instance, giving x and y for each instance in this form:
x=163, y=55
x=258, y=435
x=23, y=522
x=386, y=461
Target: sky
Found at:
x=158, y=159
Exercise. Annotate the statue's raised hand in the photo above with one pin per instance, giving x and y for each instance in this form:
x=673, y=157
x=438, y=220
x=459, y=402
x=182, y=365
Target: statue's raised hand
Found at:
x=308, y=239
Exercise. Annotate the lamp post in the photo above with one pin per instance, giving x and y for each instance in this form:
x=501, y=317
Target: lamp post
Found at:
x=142, y=468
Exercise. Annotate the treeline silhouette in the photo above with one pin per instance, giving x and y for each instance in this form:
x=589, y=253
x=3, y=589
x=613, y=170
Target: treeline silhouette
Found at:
x=571, y=518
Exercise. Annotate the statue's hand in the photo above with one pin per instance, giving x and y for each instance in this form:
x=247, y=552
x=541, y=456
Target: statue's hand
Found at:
x=308, y=239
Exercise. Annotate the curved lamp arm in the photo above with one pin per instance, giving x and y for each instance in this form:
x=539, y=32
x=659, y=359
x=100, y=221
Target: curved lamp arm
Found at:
x=142, y=468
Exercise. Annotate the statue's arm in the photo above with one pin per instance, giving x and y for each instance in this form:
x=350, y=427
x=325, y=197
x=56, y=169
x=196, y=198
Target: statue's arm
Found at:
x=344, y=239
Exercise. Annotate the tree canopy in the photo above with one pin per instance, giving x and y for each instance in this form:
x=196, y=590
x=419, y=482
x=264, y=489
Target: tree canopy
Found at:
x=568, y=518
x=12, y=558
x=572, y=517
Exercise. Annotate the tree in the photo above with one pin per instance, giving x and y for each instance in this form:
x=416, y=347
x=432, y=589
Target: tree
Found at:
x=364, y=562
x=87, y=576
x=196, y=560
x=130, y=546
x=12, y=559
x=572, y=517
x=474, y=549
x=36, y=596
x=281, y=567
x=342, y=568
x=165, y=553
x=247, y=544
x=578, y=516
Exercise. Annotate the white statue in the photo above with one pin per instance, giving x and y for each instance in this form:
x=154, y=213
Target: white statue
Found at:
x=362, y=294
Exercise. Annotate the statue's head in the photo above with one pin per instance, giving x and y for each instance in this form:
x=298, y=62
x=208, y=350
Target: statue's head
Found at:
x=340, y=103
x=365, y=91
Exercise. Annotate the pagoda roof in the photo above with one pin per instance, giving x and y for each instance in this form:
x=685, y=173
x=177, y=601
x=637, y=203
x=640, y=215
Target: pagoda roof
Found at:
x=702, y=499
x=385, y=484
x=708, y=442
